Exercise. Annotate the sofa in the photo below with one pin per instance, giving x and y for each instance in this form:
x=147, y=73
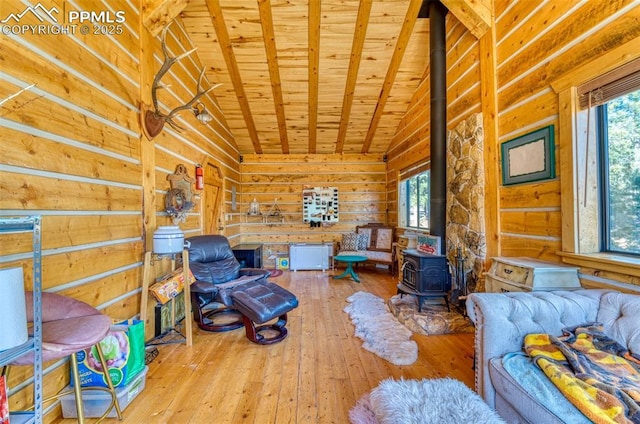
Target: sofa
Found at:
x=502, y=320
x=373, y=241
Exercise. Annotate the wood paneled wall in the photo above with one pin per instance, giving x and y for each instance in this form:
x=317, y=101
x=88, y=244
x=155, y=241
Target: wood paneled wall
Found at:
x=72, y=151
x=535, y=46
x=532, y=44
x=72, y=148
x=361, y=183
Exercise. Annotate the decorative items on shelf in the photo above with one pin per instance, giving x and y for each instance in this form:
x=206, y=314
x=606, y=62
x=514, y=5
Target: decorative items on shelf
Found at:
x=274, y=214
x=320, y=205
x=254, y=208
x=179, y=199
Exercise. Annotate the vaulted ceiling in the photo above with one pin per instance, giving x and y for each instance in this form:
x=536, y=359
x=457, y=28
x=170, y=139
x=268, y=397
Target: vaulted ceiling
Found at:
x=310, y=76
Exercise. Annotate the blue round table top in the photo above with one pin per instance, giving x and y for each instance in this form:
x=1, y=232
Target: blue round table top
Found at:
x=350, y=258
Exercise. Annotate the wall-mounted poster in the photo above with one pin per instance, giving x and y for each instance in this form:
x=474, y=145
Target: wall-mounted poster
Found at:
x=320, y=205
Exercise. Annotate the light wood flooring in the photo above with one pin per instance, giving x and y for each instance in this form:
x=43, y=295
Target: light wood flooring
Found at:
x=315, y=375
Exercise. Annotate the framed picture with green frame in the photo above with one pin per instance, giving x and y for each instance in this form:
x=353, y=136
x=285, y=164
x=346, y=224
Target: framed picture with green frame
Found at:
x=529, y=158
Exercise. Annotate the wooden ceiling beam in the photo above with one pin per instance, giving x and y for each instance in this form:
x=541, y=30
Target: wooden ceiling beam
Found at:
x=217, y=19
x=314, y=64
x=475, y=15
x=392, y=71
x=157, y=14
x=362, y=22
x=266, y=20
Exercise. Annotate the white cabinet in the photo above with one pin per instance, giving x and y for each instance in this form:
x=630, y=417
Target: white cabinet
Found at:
x=29, y=224
x=528, y=274
x=304, y=256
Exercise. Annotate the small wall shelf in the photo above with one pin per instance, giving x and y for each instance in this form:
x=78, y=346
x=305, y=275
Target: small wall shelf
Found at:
x=273, y=216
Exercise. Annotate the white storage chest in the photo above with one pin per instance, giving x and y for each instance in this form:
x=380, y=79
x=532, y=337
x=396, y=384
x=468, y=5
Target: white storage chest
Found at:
x=528, y=274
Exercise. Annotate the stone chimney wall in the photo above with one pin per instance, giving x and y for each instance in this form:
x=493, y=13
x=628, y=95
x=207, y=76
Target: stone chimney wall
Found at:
x=465, y=199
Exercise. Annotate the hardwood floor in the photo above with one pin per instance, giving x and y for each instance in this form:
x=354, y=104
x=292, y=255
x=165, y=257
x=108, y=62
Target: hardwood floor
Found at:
x=315, y=375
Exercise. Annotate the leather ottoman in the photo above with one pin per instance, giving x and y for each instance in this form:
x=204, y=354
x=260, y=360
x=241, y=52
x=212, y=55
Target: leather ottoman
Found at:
x=262, y=302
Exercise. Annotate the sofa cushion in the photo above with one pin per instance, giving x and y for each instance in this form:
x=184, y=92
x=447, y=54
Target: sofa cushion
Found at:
x=503, y=319
x=368, y=232
x=349, y=241
x=519, y=398
x=619, y=314
x=384, y=239
x=526, y=374
x=362, y=241
x=378, y=256
x=370, y=255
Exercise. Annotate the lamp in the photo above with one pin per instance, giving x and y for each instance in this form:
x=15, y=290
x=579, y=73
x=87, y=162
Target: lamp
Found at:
x=254, y=208
x=200, y=112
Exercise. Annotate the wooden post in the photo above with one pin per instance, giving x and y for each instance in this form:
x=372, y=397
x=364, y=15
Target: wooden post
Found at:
x=187, y=297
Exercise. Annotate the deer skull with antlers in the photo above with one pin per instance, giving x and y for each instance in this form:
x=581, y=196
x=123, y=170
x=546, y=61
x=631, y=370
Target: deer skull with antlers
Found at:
x=154, y=120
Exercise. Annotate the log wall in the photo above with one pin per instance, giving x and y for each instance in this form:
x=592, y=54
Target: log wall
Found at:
x=533, y=44
x=73, y=152
x=361, y=183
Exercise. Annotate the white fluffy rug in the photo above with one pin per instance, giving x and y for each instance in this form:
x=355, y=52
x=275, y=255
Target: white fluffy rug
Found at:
x=437, y=401
x=380, y=330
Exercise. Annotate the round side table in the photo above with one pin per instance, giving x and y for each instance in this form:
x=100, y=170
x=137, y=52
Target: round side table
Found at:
x=349, y=260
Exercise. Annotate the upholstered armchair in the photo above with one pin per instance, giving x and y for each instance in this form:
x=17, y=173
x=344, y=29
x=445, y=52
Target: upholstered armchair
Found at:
x=217, y=273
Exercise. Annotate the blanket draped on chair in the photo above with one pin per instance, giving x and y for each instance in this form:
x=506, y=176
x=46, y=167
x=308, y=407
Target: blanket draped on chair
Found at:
x=598, y=375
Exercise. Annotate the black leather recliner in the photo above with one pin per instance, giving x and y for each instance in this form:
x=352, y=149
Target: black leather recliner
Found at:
x=217, y=273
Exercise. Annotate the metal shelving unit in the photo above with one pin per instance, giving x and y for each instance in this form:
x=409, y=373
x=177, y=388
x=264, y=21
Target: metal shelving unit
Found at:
x=24, y=224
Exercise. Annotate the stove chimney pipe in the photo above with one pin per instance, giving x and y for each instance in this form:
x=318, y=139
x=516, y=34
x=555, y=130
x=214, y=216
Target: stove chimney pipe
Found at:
x=438, y=81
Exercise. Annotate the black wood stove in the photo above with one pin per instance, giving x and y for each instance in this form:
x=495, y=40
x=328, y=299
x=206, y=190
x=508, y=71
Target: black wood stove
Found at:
x=425, y=276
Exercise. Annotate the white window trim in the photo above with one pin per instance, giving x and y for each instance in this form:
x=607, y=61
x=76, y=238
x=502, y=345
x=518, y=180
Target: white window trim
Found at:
x=401, y=177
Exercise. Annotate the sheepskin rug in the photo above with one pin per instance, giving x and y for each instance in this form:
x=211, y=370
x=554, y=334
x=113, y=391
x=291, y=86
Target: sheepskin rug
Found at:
x=436, y=401
x=380, y=330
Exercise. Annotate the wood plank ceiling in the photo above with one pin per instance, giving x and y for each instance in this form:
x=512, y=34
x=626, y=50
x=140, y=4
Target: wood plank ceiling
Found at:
x=305, y=76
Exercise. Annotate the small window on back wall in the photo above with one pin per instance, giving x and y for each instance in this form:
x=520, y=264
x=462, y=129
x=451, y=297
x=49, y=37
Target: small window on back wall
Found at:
x=413, y=201
x=612, y=108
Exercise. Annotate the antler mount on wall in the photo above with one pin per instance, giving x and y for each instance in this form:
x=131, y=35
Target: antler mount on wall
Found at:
x=153, y=120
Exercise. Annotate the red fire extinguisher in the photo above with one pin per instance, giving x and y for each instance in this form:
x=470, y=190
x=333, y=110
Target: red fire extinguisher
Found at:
x=199, y=177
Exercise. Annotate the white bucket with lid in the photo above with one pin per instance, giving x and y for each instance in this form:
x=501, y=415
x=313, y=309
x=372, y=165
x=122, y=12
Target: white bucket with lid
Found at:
x=168, y=239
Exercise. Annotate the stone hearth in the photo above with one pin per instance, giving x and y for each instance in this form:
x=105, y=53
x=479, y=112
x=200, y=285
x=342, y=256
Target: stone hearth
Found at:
x=433, y=319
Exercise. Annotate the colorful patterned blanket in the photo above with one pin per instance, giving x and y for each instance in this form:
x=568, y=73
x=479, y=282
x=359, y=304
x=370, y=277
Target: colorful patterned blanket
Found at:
x=598, y=375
